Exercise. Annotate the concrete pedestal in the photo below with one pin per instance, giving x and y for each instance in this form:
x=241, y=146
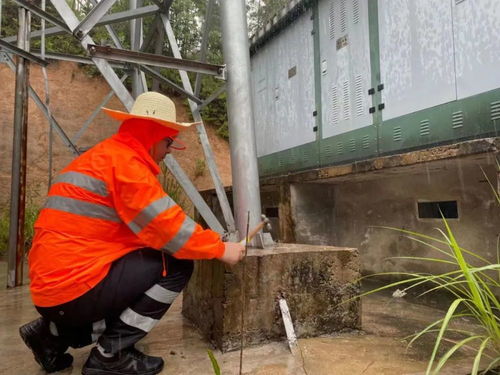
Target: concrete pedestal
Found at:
x=314, y=280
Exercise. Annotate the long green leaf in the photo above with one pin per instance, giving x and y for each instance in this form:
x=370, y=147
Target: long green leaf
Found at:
x=426, y=259
x=423, y=332
x=446, y=319
x=479, y=355
x=450, y=352
x=473, y=287
x=416, y=234
x=492, y=364
x=445, y=286
x=495, y=193
x=460, y=331
x=215, y=364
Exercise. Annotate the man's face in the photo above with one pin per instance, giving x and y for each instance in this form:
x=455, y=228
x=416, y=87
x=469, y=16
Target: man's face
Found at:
x=161, y=149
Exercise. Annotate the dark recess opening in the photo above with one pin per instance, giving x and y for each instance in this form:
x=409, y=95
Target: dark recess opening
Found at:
x=433, y=210
x=272, y=212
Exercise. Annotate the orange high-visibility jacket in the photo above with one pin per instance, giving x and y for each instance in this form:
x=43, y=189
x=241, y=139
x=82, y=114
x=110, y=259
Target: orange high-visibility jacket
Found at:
x=105, y=204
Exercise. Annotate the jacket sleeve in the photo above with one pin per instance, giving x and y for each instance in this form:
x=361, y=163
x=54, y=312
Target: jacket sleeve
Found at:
x=156, y=219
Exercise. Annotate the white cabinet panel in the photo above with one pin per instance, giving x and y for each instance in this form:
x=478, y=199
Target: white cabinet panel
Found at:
x=476, y=26
x=416, y=55
x=345, y=65
x=283, y=89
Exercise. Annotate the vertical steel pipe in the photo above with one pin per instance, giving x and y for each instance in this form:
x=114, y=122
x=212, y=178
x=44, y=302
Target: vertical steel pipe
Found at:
x=135, y=44
x=18, y=183
x=241, y=122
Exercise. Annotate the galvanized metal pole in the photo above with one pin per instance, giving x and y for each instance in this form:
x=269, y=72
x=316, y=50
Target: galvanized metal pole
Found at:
x=246, y=194
x=135, y=43
x=18, y=183
x=207, y=149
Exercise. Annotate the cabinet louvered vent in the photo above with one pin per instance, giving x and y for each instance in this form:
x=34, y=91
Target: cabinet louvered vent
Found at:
x=346, y=100
x=280, y=162
x=356, y=11
x=425, y=128
x=352, y=145
x=495, y=110
x=366, y=142
x=334, y=105
x=457, y=119
x=331, y=19
x=358, y=95
x=343, y=17
x=328, y=150
x=305, y=157
x=397, y=134
x=340, y=148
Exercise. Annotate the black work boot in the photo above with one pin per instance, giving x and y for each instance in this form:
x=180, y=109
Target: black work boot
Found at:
x=49, y=351
x=128, y=361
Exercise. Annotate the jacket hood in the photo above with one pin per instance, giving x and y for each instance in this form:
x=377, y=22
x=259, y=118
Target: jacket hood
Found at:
x=147, y=132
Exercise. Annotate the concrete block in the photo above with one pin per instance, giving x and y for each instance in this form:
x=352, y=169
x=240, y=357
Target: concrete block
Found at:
x=314, y=280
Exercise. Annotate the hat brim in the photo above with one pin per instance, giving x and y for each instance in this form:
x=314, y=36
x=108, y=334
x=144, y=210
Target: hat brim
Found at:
x=122, y=116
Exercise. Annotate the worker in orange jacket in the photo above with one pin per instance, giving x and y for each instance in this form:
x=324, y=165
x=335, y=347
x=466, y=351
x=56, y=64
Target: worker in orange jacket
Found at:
x=112, y=250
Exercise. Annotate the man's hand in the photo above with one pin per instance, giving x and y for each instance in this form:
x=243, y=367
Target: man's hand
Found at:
x=233, y=253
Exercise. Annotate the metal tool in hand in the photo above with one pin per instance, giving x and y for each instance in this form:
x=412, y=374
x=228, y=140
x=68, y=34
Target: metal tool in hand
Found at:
x=264, y=223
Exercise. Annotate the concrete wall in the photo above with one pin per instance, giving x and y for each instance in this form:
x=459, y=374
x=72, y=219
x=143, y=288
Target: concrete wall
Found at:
x=392, y=202
x=352, y=211
x=313, y=212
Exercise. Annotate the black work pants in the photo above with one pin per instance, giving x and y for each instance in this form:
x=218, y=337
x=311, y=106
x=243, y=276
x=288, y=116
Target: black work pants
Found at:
x=125, y=305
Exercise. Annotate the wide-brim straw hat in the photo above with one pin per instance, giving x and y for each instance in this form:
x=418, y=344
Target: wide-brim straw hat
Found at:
x=155, y=107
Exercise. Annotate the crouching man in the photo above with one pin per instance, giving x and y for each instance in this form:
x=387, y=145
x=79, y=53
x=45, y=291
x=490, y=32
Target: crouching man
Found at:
x=112, y=250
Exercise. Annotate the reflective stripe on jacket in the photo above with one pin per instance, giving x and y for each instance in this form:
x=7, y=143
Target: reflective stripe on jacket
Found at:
x=104, y=204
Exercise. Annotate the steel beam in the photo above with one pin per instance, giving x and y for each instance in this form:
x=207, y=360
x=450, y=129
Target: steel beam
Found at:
x=154, y=60
x=246, y=192
x=173, y=85
x=159, y=44
x=20, y=52
x=110, y=30
x=128, y=15
x=41, y=105
x=104, y=67
x=209, y=156
x=94, y=114
x=106, y=20
x=19, y=147
x=43, y=14
x=151, y=35
x=75, y=58
x=204, y=44
x=212, y=97
x=135, y=30
x=193, y=194
x=56, y=30
x=95, y=15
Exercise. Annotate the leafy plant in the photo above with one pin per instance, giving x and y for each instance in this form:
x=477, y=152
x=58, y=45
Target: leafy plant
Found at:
x=174, y=190
x=199, y=167
x=30, y=214
x=473, y=282
x=215, y=364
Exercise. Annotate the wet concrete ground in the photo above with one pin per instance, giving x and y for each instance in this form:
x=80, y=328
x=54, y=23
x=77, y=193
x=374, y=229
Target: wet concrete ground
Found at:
x=379, y=349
